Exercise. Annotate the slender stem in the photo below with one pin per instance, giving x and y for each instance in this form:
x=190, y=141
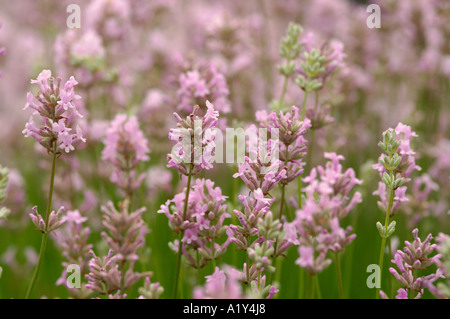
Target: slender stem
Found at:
x=45, y=234
x=316, y=282
x=391, y=287
x=313, y=287
x=283, y=92
x=280, y=213
x=274, y=257
x=213, y=255
x=247, y=270
x=38, y=266
x=186, y=203
x=383, y=241
x=313, y=137
x=122, y=280
x=305, y=98
x=299, y=180
x=301, y=283
x=339, y=276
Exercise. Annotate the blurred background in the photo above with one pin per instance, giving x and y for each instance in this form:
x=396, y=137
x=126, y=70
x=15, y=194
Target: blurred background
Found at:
x=132, y=56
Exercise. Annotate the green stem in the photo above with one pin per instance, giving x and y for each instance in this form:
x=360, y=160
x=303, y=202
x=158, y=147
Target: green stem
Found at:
x=247, y=262
x=299, y=180
x=316, y=282
x=391, y=287
x=186, y=203
x=383, y=241
x=315, y=287
x=213, y=255
x=305, y=98
x=339, y=276
x=313, y=138
x=283, y=92
x=274, y=257
x=301, y=283
x=45, y=234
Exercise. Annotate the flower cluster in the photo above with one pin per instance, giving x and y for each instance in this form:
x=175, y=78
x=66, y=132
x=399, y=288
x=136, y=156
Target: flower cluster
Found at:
x=226, y=284
x=202, y=225
x=290, y=50
x=398, y=157
x=125, y=231
x=104, y=276
x=111, y=19
x=442, y=289
x=255, y=207
x=57, y=129
x=290, y=130
x=150, y=290
x=125, y=147
x=200, y=85
x=82, y=55
x=318, y=64
x=413, y=258
x=317, y=223
x=125, y=235
x=394, y=166
x=72, y=240
x=222, y=284
x=55, y=220
x=262, y=168
x=257, y=235
x=194, y=138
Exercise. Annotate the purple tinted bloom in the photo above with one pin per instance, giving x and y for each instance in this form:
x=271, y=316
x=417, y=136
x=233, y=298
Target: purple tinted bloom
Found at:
x=290, y=130
x=72, y=240
x=413, y=258
x=222, y=284
x=407, y=165
x=125, y=231
x=203, y=224
x=125, y=147
x=441, y=289
x=55, y=220
x=57, y=111
x=194, y=138
x=200, y=85
x=317, y=223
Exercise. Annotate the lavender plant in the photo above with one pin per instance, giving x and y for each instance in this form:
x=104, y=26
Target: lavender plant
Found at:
x=317, y=226
x=192, y=153
x=394, y=167
x=56, y=110
x=409, y=262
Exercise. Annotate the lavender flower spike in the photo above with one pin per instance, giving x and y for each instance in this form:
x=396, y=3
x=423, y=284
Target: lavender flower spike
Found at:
x=413, y=258
x=56, y=128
